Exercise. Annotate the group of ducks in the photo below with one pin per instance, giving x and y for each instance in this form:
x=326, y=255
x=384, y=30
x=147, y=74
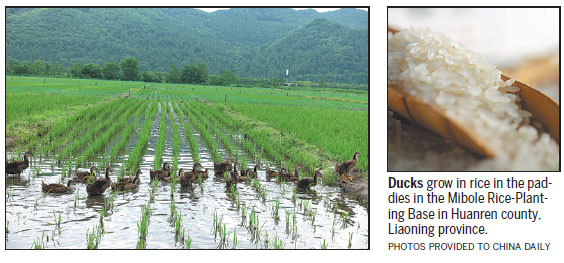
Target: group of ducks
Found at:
x=97, y=186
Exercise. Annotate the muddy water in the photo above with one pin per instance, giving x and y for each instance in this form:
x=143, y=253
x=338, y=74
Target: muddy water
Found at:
x=30, y=212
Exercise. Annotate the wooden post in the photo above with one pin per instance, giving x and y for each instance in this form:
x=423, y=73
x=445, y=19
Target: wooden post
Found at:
x=286, y=94
x=129, y=96
x=43, y=81
x=225, y=97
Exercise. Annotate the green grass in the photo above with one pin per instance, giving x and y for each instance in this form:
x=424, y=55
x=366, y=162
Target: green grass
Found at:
x=339, y=132
x=34, y=107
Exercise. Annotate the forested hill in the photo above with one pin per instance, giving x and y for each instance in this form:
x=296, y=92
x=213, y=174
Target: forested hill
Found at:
x=252, y=42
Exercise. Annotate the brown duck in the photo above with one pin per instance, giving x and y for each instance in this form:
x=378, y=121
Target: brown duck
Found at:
x=125, y=184
x=251, y=173
x=345, y=167
x=82, y=177
x=305, y=183
x=161, y=174
x=232, y=176
x=293, y=177
x=99, y=186
x=56, y=188
x=186, y=178
x=203, y=174
x=17, y=167
x=220, y=168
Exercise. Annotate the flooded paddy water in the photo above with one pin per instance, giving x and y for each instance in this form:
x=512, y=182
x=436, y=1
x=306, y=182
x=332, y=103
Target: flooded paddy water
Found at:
x=320, y=216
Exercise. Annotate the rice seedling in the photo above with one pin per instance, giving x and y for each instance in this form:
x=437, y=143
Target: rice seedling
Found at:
x=294, y=198
x=277, y=243
x=324, y=244
x=75, y=198
x=234, y=238
x=178, y=223
x=143, y=225
x=266, y=239
x=275, y=208
x=39, y=243
x=57, y=219
x=333, y=227
x=287, y=221
x=188, y=242
x=181, y=235
x=93, y=238
x=350, y=239
x=223, y=237
x=344, y=219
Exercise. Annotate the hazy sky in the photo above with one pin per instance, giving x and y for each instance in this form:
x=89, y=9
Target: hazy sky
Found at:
x=317, y=9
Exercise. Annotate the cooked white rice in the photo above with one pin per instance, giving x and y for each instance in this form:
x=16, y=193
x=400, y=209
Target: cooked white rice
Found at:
x=443, y=73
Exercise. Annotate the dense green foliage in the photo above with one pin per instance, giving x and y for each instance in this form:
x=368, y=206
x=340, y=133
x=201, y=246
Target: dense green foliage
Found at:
x=252, y=43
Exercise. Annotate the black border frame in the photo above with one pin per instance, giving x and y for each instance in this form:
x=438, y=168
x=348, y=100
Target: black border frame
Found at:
x=200, y=249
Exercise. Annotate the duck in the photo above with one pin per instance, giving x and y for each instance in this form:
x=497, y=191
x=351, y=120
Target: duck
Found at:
x=203, y=174
x=345, y=167
x=270, y=174
x=161, y=174
x=293, y=177
x=274, y=174
x=232, y=176
x=251, y=173
x=99, y=186
x=56, y=188
x=125, y=184
x=186, y=178
x=305, y=183
x=242, y=177
x=82, y=177
x=220, y=168
x=17, y=167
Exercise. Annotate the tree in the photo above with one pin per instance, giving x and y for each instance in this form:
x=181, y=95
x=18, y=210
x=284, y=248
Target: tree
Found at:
x=91, y=71
x=76, y=70
x=129, y=68
x=225, y=78
x=201, y=73
x=149, y=76
x=173, y=75
x=188, y=74
x=110, y=71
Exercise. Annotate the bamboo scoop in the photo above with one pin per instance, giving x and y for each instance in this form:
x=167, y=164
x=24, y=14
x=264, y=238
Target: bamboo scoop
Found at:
x=543, y=108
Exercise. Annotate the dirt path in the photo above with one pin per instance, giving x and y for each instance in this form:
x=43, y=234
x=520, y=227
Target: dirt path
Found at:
x=357, y=188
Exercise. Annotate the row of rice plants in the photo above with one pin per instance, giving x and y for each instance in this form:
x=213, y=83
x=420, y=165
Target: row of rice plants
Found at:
x=189, y=134
x=281, y=147
x=127, y=132
x=162, y=136
x=110, y=132
x=63, y=126
x=200, y=113
x=175, y=139
x=69, y=129
x=203, y=132
x=86, y=138
x=143, y=226
x=144, y=135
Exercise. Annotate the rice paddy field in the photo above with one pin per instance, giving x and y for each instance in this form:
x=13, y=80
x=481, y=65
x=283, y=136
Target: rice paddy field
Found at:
x=72, y=124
